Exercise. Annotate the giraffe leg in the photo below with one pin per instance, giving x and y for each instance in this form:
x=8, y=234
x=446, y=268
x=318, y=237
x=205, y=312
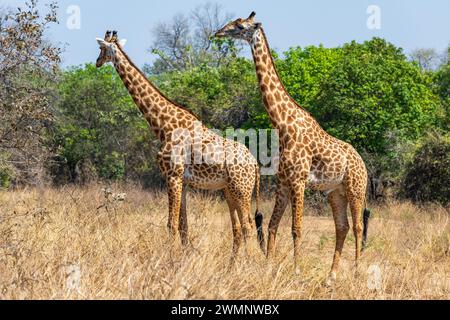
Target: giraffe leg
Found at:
x=236, y=227
x=338, y=203
x=356, y=209
x=183, y=224
x=297, y=196
x=175, y=189
x=250, y=219
x=281, y=203
x=243, y=210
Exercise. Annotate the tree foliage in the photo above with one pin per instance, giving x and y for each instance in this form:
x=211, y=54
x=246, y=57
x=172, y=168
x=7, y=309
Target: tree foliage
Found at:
x=222, y=96
x=372, y=91
x=99, y=124
x=304, y=71
x=28, y=65
x=442, y=88
x=427, y=175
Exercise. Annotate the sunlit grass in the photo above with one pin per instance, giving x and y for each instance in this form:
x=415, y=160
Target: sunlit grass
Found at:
x=75, y=243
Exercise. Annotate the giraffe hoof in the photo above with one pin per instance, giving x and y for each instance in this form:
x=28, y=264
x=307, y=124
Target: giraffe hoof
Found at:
x=185, y=243
x=357, y=272
x=331, y=279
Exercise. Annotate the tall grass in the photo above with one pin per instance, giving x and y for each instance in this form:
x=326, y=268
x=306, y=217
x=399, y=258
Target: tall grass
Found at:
x=84, y=243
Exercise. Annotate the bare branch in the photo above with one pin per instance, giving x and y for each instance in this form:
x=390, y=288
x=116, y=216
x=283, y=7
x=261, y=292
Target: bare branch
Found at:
x=185, y=42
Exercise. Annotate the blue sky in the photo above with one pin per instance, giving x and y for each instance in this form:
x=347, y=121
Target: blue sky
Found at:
x=409, y=24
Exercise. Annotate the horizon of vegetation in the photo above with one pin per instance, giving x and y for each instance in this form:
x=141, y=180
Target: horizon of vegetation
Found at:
x=80, y=124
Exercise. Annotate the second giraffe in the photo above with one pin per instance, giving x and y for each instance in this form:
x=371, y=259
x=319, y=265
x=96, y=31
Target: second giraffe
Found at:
x=308, y=155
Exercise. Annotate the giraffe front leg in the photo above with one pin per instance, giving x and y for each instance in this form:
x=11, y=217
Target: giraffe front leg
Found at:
x=175, y=189
x=297, y=196
x=183, y=225
x=281, y=203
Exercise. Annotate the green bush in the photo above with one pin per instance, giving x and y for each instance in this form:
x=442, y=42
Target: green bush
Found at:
x=113, y=166
x=99, y=124
x=373, y=90
x=427, y=176
x=6, y=177
x=6, y=173
x=221, y=96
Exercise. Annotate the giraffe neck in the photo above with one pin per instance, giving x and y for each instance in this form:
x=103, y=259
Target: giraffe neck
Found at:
x=276, y=99
x=162, y=114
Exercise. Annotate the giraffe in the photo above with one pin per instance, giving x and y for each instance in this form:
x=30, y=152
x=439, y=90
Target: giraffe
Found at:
x=309, y=156
x=222, y=165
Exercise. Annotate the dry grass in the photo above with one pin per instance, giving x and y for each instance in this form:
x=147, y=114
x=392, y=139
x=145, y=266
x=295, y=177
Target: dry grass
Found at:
x=121, y=251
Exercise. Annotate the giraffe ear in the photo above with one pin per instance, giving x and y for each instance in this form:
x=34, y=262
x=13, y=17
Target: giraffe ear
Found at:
x=100, y=41
x=123, y=42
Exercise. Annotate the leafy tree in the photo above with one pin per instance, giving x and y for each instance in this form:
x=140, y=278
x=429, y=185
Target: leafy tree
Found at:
x=374, y=90
x=426, y=176
x=304, y=70
x=221, y=96
x=442, y=88
x=99, y=122
x=28, y=69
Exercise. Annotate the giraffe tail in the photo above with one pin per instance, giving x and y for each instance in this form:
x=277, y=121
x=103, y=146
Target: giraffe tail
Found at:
x=366, y=219
x=258, y=215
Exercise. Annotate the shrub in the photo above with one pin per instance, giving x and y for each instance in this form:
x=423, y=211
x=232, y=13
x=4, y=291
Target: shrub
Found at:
x=6, y=177
x=427, y=176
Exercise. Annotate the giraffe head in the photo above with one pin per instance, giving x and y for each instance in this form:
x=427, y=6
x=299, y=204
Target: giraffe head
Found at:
x=240, y=28
x=108, y=48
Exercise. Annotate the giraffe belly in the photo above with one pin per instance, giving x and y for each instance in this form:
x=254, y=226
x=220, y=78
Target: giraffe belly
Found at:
x=320, y=182
x=205, y=177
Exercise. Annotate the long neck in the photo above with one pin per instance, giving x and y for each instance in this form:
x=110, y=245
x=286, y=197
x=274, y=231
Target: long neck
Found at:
x=276, y=99
x=162, y=114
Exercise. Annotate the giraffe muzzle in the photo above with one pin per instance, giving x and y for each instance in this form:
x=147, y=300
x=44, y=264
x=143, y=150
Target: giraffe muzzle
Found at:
x=219, y=34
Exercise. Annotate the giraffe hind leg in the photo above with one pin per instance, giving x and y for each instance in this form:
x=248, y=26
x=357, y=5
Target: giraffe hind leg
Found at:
x=183, y=225
x=338, y=203
x=235, y=225
x=174, y=186
x=243, y=210
x=356, y=209
x=281, y=203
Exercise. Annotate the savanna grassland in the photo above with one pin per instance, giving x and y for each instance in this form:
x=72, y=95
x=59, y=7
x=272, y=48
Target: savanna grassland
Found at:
x=81, y=243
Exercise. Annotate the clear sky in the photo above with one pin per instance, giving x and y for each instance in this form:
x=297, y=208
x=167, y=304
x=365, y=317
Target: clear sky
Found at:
x=409, y=24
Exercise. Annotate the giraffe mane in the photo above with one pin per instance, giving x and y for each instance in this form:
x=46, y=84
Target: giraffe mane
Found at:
x=151, y=84
x=278, y=75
